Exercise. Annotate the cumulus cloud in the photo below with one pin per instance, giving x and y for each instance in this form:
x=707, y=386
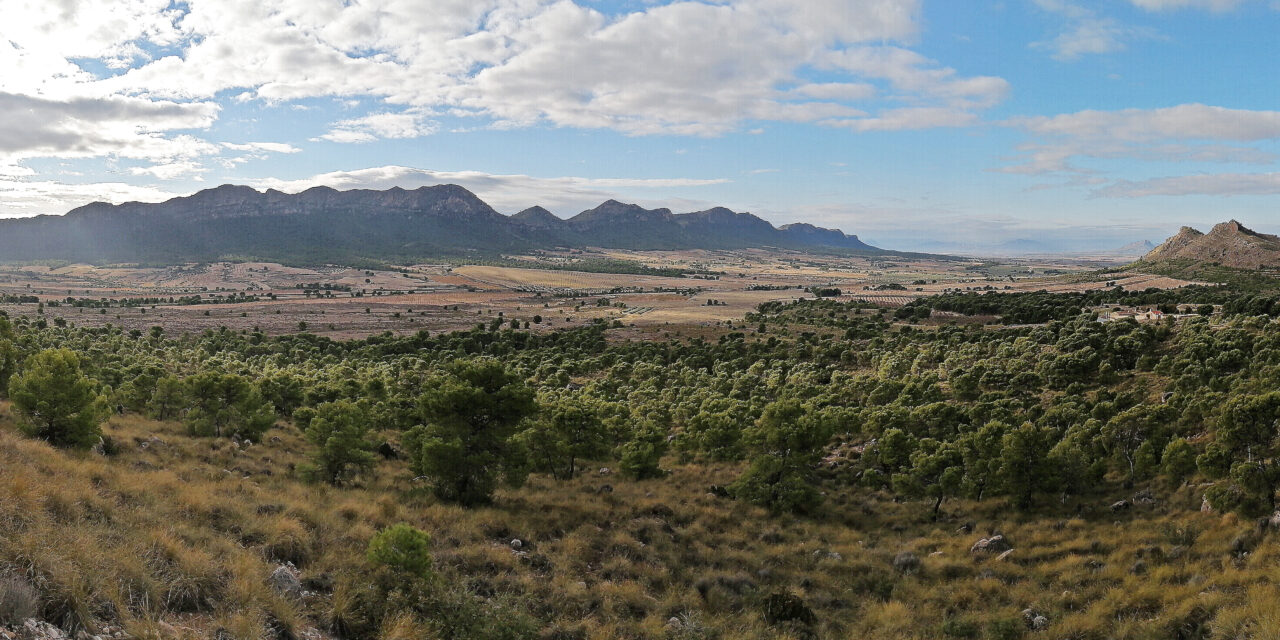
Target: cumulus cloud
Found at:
x=86, y=127
x=686, y=68
x=33, y=197
x=510, y=193
x=142, y=79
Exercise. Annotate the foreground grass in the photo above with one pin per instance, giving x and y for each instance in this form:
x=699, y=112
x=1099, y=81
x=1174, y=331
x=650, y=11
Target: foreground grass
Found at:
x=177, y=537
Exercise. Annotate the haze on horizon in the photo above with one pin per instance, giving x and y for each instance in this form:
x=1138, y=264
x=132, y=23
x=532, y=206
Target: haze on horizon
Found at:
x=915, y=124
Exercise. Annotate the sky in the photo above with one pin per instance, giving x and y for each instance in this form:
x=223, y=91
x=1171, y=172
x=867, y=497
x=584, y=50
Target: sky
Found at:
x=916, y=124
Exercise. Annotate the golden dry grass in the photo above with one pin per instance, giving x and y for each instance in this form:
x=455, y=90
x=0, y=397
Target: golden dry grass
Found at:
x=182, y=534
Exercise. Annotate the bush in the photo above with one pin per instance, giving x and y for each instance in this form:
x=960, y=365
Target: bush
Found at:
x=402, y=548
x=18, y=601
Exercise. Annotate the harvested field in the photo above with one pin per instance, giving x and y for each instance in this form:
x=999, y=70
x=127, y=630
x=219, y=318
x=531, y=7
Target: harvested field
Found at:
x=346, y=302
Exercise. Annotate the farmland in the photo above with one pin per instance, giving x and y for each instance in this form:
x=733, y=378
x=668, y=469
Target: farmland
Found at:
x=347, y=302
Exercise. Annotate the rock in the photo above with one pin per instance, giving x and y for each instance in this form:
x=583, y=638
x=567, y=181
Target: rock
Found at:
x=965, y=528
x=517, y=544
x=33, y=629
x=274, y=440
x=605, y=488
x=604, y=471
x=167, y=630
x=906, y=562
x=1205, y=507
x=935, y=554
x=1139, y=568
x=100, y=447
x=1244, y=543
x=1028, y=615
x=1040, y=623
x=1144, y=497
x=1117, y=507
x=718, y=491
x=994, y=544
x=1004, y=555
x=1274, y=520
x=286, y=580
x=674, y=624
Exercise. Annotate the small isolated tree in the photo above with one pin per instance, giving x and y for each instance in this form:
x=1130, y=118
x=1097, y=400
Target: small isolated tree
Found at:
x=401, y=548
x=471, y=413
x=59, y=403
x=339, y=429
x=786, y=442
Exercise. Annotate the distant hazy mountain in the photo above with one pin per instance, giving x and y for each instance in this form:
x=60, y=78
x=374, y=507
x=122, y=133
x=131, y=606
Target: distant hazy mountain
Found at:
x=1138, y=248
x=326, y=225
x=1229, y=244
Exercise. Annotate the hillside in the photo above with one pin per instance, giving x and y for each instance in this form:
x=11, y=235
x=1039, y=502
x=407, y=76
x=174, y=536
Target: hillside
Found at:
x=1228, y=244
x=326, y=225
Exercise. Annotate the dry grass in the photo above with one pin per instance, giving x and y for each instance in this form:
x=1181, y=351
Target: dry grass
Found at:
x=182, y=535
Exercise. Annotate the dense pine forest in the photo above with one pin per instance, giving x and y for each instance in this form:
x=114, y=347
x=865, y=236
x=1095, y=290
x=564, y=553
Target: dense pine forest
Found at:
x=824, y=470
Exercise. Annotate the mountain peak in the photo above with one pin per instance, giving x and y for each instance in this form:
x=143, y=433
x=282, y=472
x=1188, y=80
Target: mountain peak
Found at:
x=1229, y=244
x=538, y=217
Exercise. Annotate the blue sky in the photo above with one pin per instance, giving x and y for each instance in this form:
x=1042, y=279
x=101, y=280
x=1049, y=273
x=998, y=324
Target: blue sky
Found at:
x=916, y=124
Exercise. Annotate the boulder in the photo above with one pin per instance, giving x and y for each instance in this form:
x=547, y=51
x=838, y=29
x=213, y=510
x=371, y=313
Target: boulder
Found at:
x=1117, y=507
x=517, y=544
x=286, y=580
x=1004, y=556
x=994, y=544
x=33, y=629
x=1039, y=623
x=906, y=562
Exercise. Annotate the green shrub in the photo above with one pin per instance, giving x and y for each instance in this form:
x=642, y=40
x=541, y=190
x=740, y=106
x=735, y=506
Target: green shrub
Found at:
x=402, y=548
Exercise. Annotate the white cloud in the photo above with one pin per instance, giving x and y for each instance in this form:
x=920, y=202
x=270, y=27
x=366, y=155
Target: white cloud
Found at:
x=32, y=197
x=1086, y=32
x=380, y=126
x=1166, y=5
x=171, y=170
x=509, y=193
x=1219, y=184
x=87, y=127
x=1182, y=133
x=267, y=147
x=685, y=68
x=1185, y=122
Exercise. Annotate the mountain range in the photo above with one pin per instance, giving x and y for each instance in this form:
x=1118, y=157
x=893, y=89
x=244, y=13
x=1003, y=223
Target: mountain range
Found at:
x=326, y=225
x=1229, y=244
